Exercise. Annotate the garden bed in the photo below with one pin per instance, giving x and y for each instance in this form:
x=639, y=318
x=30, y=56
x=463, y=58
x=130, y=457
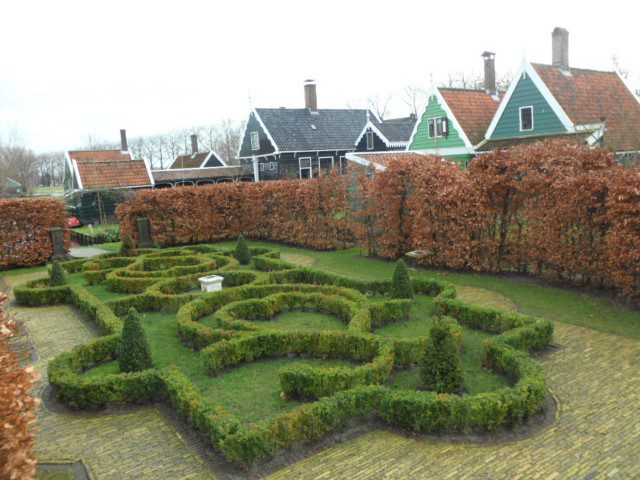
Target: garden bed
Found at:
x=236, y=367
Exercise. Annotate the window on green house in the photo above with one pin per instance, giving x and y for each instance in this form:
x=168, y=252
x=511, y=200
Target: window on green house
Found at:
x=438, y=127
x=526, y=118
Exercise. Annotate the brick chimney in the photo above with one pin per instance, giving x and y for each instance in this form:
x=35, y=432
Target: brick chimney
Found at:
x=194, y=143
x=489, y=72
x=560, y=48
x=310, y=97
x=123, y=140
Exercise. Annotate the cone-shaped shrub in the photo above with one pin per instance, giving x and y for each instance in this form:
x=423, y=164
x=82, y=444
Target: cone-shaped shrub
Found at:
x=134, y=354
x=58, y=275
x=127, y=247
x=401, y=283
x=243, y=254
x=441, y=370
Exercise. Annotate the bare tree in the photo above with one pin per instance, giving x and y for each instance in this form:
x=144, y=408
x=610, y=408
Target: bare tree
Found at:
x=20, y=164
x=415, y=98
x=50, y=169
x=474, y=81
x=379, y=105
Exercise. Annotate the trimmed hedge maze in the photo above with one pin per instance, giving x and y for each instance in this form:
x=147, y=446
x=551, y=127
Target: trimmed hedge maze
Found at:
x=236, y=327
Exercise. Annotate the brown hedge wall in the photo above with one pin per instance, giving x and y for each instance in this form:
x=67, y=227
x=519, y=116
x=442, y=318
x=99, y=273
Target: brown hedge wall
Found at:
x=25, y=239
x=553, y=209
x=305, y=213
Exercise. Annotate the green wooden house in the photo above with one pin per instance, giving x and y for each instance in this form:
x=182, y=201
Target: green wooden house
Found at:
x=453, y=123
x=557, y=101
x=455, y=119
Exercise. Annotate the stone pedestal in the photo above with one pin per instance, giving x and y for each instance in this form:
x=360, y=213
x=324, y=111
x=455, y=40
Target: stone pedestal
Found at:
x=144, y=233
x=211, y=283
x=57, y=240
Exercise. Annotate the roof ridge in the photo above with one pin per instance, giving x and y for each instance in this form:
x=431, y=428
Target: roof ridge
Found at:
x=592, y=70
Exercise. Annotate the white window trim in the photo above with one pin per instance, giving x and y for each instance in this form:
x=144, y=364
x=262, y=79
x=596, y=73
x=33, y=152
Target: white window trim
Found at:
x=261, y=166
x=370, y=141
x=435, y=127
x=520, y=118
x=255, y=145
x=272, y=166
x=342, y=161
x=324, y=158
x=310, y=167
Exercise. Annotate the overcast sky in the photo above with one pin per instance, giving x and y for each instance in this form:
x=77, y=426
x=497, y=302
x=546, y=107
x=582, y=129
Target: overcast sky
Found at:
x=92, y=67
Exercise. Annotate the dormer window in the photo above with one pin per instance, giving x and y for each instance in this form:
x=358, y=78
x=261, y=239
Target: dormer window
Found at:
x=369, y=140
x=438, y=127
x=255, y=141
x=526, y=119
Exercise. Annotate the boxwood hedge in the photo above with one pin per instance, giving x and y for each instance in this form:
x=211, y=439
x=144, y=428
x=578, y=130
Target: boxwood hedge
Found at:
x=166, y=280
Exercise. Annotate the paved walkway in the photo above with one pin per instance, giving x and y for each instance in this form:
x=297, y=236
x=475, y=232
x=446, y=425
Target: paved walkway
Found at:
x=596, y=379
x=86, y=252
x=135, y=445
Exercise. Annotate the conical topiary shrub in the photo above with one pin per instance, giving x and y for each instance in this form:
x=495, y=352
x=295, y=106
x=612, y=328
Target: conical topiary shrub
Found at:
x=134, y=354
x=441, y=368
x=401, y=283
x=242, y=254
x=128, y=247
x=58, y=276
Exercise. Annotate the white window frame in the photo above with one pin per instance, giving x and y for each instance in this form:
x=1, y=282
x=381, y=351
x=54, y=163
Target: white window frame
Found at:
x=310, y=167
x=520, y=118
x=370, y=142
x=255, y=141
x=261, y=166
x=343, y=165
x=324, y=158
x=445, y=127
x=272, y=166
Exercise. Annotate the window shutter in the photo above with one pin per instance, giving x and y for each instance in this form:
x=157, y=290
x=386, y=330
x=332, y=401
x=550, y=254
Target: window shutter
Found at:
x=445, y=127
x=432, y=129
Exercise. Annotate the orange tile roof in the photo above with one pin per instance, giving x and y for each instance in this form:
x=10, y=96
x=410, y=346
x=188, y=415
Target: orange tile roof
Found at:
x=589, y=95
x=473, y=110
x=110, y=169
x=98, y=155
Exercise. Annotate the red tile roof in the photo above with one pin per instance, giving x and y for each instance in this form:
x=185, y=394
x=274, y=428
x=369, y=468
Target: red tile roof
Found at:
x=473, y=110
x=110, y=169
x=589, y=95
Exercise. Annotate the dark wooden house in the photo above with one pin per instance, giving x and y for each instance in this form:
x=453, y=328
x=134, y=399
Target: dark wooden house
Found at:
x=386, y=135
x=281, y=143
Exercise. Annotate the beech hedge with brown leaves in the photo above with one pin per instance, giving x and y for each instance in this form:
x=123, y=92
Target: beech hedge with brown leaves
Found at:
x=305, y=213
x=17, y=406
x=553, y=209
x=25, y=223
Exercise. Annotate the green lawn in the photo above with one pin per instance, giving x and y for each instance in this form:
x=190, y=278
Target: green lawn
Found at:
x=305, y=321
x=98, y=228
x=48, y=190
x=530, y=297
x=251, y=391
x=477, y=379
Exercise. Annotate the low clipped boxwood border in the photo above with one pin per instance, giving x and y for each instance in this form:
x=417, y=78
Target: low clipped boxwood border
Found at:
x=342, y=394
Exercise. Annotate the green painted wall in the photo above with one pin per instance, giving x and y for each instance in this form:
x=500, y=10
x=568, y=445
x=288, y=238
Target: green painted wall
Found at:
x=421, y=140
x=544, y=118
